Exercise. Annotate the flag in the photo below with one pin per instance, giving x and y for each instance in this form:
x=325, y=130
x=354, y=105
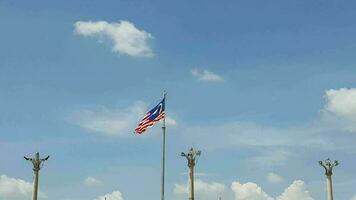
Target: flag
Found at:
x=153, y=116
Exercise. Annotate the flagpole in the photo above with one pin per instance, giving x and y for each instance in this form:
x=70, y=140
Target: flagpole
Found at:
x=163, y=149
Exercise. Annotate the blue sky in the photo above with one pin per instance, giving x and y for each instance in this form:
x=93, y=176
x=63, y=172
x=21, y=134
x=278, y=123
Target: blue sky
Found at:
x=265, y=89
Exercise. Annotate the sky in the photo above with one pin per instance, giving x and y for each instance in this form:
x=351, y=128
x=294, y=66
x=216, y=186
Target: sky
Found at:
x=265, y=89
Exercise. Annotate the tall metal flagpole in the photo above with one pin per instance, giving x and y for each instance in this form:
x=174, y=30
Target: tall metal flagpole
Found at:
x=163, y=149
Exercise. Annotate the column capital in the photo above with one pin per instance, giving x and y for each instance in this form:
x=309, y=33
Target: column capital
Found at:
x=328, y=165
x=191, y=156
x=37, y=162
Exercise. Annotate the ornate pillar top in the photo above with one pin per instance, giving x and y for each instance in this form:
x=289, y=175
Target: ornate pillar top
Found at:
x=36, y=161
x=328, y=166
x=191, y=156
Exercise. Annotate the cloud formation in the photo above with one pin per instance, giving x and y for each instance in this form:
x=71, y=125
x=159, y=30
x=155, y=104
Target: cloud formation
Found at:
x=272, y=158
x=203, y=190
x=126, y=38
x=205, y=75
x=296, y=191
x=92, y=182
x=251, y=191
x=113, y=122
x=340, y=108
x=115, y=195
x=245, y=134
x=338, y=117
x=342, y=103
x=110, y=122
x=274, y=178
x=14, y=189
x=170, y=121
x=244, y=191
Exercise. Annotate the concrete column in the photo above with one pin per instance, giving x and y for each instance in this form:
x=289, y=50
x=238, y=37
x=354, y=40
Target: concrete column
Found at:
x=191, y=183
x=328, y=165
x=35, y=184
x=329, y=187
x=37, y=164
x=191, y=157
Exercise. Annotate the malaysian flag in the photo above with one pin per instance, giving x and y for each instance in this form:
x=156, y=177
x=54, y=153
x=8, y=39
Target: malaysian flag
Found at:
x=153, y=116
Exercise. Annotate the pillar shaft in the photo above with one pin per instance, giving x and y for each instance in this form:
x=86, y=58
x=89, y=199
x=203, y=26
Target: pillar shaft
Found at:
x=191, y=183
x=329, y=187
x=35, y=184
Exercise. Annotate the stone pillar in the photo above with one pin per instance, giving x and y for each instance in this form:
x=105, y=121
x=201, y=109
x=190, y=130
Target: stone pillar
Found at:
x=191, y=183
x=36, y=162
x=191, y=157
x=35, y=184
x=329, y=187
x=328, y=166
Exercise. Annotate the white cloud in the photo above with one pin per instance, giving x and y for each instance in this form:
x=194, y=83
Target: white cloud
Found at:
x=274, y=178
x=203, y=190
x=323, y=133
x=354, y=198
x=239, y=134
x=296, y=191
x=126, y=38
x=110, y=122
x=320, y=134
x=272, y=158
x=246, y=191
x=114, y=122
x=251, y=191
x=317, y=135
x=342, y=103
x=340, y=108
x=92, y=182
x=170, y=121
x=205, y=75
x=12, y=188
x=115, y=195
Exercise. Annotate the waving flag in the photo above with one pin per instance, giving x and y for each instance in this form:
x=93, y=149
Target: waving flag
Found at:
x=153, y=116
